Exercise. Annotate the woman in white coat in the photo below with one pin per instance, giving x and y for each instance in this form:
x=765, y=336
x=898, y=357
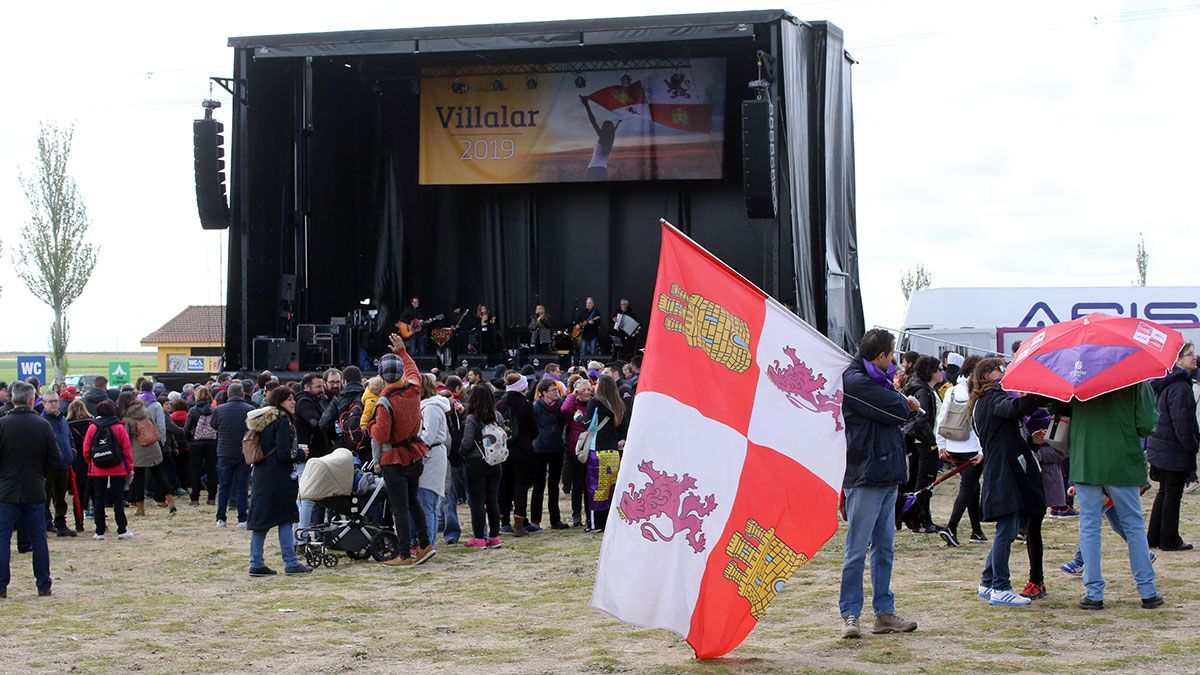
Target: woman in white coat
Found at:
x=436, y=434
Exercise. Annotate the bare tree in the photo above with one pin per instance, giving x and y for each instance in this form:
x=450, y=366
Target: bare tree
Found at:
x=1143, y=261
x=914, y=280
x=58, y=258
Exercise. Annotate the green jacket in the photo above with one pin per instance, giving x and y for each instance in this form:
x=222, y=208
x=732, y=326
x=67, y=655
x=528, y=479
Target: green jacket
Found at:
x=1105, y=431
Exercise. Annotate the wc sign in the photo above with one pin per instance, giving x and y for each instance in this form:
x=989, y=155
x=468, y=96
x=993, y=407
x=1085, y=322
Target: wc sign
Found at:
x=31, y=366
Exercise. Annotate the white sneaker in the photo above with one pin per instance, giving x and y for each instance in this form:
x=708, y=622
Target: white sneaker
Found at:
x=220, y=523
x=1009, y=598
x=985, y=592
x=125, y=535
x=98, y=537
x=241, y=526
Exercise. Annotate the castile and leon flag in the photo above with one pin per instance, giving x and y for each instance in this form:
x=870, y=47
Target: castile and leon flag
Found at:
x=734, y=458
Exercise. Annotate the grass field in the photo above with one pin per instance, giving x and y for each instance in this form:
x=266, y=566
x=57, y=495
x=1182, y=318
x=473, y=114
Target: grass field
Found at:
x=84, y=363
x=177, y=598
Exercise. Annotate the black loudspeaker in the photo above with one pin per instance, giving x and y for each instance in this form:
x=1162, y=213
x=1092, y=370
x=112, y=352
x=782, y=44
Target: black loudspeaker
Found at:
x=209, y=146
x=539, y=361
x=470, y=361
x=273, y=353
x=759, y=175
x=427, y=363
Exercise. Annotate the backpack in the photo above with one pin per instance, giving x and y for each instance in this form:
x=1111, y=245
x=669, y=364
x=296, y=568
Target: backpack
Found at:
x=204, y=430
x=493, y=444
x=354, y=436
x=106, y=451
x=252, y=450
x=147, y=431
x=956, y=426
x=454, y=446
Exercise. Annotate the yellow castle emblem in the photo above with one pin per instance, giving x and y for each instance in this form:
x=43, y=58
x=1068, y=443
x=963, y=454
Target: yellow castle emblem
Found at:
x=709, y=326
x=761, y=565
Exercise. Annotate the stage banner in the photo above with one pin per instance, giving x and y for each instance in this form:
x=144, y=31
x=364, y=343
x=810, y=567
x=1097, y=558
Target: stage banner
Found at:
x=538, y=127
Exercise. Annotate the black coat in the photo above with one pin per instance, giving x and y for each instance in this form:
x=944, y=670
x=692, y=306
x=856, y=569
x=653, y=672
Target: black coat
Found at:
x=921, y=428
x=1012, y=479
x=28, y=455
x=309, y=409
x=272, y=489
x=519, y=411
x=874, y=414
x=1176, y=438
x=550, y=427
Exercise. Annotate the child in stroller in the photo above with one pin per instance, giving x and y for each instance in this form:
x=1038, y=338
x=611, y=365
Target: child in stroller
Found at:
x=356, y=500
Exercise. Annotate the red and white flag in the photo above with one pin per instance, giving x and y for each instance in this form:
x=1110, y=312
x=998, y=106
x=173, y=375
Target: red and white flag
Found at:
x=734, y=459
x=680, y=99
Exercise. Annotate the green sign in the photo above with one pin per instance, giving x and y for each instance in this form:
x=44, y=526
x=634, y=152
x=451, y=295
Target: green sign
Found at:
x=118, y=373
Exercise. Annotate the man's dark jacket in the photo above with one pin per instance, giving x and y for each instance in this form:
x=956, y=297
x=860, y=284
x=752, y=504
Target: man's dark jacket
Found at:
x=229, y=421
x=348, y=396
x=28, y=455
x=308, y=424
x=874, y=414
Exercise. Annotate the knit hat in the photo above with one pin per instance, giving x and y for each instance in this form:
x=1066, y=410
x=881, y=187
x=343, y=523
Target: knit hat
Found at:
x=391, y=368
x=954, y=359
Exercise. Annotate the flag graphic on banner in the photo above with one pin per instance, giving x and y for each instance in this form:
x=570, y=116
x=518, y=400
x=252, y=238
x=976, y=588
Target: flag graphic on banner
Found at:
x=734, y=459
x=670, y=98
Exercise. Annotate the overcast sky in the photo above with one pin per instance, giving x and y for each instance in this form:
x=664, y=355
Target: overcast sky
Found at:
x=1015, y=143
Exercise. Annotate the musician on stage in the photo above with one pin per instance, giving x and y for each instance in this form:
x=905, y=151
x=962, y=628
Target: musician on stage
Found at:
x=451, y=338
x=414, y=316
x=622, y=333
x=588, y=320
x=485, y=326
x=540, y=331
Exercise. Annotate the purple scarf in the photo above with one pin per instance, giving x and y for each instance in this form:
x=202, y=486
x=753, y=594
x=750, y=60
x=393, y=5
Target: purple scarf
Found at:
x=884, y=379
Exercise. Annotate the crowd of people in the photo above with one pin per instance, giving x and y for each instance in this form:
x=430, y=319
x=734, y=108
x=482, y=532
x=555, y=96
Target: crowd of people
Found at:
x=71, y=458
x=906, y=421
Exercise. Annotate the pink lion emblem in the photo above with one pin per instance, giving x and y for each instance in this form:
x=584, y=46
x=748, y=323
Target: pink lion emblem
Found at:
x=665, y=496
x=803, y=390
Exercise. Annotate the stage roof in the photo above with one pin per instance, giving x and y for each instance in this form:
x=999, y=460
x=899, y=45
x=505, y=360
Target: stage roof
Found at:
x=579, y=32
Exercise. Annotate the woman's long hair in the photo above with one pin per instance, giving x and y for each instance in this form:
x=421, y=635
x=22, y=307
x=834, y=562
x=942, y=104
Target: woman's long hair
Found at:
x=125, y=401
x=482, y=404
x=606, y=391
x=979, y=383
x=78, y=410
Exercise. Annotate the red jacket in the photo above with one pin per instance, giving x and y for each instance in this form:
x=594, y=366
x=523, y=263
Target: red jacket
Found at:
x=122, y=436
x=401, y=427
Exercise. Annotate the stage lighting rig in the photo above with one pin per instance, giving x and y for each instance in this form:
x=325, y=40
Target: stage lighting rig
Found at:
x=497, y=85
x=531, y=83
x=580, y=82
x=458, y=87
x=626, y=80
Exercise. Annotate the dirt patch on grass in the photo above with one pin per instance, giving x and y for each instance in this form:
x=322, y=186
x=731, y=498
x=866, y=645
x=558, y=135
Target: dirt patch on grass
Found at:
x=177, y=598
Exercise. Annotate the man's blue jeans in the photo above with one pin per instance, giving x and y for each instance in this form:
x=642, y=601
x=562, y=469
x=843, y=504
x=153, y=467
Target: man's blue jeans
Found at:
x=416, y=343
x=589, y=347
x=287, y=547
x=1127, y=508
x=996, y=575
x=870, y=514
x=32, y=518
x=1113, y=523
x=233, y=474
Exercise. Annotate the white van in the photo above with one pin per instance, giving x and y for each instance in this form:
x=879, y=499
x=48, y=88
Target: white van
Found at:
x=989, y=320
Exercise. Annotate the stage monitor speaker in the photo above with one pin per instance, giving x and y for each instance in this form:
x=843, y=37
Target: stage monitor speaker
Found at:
x=540, y=361
x=209, y=147
x=427, y=363
x=759, y=174
x=470, y=361
x=273, y=353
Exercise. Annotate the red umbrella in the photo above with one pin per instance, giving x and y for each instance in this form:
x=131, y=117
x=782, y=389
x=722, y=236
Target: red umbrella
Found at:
x=1092, y=356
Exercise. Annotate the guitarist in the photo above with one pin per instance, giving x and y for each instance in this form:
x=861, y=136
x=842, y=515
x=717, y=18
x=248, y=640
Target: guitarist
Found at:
x=587, y=328
x=414, y=316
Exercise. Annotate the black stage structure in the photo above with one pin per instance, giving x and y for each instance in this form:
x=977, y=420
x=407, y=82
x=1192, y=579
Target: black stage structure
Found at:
x=326, y=209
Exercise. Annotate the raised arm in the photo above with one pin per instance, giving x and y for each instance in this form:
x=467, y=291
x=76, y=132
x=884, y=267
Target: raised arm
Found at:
x=591, y=117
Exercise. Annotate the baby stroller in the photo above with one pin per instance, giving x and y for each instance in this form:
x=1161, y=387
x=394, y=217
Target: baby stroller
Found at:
x=355, y=502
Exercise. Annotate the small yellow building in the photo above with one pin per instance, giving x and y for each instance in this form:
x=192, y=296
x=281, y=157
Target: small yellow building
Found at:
x=192, y=342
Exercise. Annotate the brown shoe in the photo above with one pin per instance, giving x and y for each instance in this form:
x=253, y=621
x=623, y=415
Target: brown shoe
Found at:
x=892, y=623
x=425, y=554
x=139, y=509
x=519, y=527
x=400, y=562
x=171, y=503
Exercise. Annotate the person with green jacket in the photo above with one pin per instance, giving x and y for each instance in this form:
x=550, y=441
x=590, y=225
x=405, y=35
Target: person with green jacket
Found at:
x=1107, y=459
